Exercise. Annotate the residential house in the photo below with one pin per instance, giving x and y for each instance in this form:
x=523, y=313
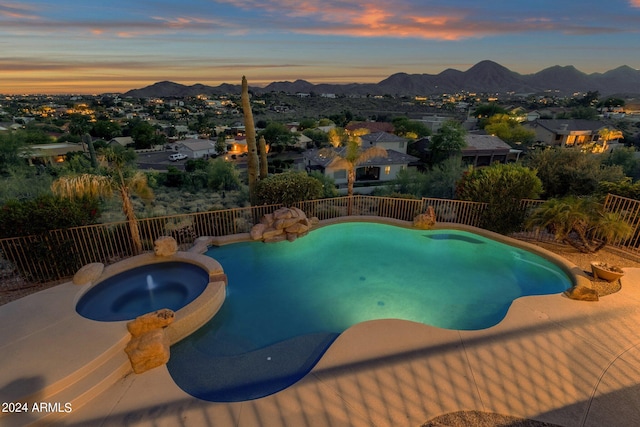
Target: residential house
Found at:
x=574, y=133
x=479, y=150
x=372, y=127
x=123, y=141
x=197, y=148
x=386, y=140
x=375, y=171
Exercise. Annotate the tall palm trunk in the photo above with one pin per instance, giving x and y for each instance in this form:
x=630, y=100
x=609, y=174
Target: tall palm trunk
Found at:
x=129, y=213
x=351, y=179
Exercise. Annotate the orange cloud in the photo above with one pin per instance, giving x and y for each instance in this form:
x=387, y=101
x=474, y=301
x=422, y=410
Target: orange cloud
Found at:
x=635, y=3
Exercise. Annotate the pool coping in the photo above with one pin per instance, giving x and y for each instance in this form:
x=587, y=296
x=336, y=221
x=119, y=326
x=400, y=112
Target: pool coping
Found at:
x=387, y=358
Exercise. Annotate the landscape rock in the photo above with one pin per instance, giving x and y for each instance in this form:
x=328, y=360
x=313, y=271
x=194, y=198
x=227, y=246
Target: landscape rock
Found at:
x=284, y=223
x=582, y=293
x=283, y=213
x=150, y=321
x=277, y=238
x=270, y=233
x=165, y=246
x=88, y=274
x=148, y=350
x=257, y=231
x=425, y=221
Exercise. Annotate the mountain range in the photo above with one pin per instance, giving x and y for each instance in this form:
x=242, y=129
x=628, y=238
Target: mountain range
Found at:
x=484, y=77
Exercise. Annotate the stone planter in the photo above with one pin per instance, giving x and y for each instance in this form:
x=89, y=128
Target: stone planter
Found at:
x=606, y=272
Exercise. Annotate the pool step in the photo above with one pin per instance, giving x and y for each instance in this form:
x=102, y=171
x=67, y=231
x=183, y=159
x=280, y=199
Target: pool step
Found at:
x=75, y=389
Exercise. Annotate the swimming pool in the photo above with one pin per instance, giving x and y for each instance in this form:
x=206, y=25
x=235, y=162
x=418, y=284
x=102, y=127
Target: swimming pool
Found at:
x=287, y=302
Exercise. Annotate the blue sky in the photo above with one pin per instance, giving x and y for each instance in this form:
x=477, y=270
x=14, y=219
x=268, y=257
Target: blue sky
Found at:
x=88, y=46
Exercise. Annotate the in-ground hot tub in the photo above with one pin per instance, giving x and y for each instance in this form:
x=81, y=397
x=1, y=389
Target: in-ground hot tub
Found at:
x=191, y=284
x=144, y=289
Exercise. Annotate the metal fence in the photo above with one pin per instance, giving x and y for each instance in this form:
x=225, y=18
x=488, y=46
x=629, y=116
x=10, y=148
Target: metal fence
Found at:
x=58, y=254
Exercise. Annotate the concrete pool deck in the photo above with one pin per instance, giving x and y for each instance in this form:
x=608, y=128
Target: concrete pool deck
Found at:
x=552, y=359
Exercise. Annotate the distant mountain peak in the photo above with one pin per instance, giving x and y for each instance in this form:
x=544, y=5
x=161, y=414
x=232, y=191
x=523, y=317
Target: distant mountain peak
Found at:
x=485, y=76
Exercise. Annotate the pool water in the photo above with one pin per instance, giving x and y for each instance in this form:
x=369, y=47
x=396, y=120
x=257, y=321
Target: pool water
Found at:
x=143, y=289
x=299, y=296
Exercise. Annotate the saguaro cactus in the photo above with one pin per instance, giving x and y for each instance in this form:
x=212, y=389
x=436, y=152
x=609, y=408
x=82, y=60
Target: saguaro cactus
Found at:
x=252, y=149
x=262, y=151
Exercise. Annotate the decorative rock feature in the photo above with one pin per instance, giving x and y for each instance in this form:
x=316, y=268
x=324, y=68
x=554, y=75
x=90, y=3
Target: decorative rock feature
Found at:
x=285, y=223
x=88, y=274
x=148, y=351
x=149, y=345
x=582, y=293
x=165, y=246
x=425, y=221
x=150, y=321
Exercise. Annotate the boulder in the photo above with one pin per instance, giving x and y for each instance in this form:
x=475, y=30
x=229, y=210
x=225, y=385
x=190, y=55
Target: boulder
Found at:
x=148, y=350
x=425, y=221
x=257, y=231
x=270, y=233
x=267, y=219
x=298, y=213
x=165, y=246
x=277, y=238
x=285, y=222
x=150, y=321
x=88, y=274
x=282, y=213
x=297, y=228
x=582, y=293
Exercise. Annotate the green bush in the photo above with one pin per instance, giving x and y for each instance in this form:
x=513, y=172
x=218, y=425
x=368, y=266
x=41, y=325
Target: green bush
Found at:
x=288, y=188
x=502, y=187
x=36, y=216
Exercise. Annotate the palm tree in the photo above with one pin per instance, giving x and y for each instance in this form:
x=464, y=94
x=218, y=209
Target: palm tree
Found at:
x=118, y=177
x=350, y=157
x=579, y=222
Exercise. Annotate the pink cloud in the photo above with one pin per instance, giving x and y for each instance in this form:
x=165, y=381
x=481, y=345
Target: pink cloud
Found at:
x=635, y=3
x=16, y=11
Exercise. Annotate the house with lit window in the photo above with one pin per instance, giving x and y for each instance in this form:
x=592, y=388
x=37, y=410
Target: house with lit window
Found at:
x=567, y=133
x=373, y=172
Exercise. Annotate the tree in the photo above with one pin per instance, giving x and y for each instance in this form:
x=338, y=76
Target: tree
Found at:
x=350, y=157
x=508, y=129
x=144, y=135
x=106, y=129
x=79, y=125
x=409, y=128
x=222, y=175
x=278, y=136
x=288, y=188
x=502, y=187
x=579, y=222
x=447, y=142
x=571, y=172
x=118, y=177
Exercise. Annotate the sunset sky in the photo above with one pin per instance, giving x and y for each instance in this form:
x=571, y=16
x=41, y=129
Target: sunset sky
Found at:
x=88, y=46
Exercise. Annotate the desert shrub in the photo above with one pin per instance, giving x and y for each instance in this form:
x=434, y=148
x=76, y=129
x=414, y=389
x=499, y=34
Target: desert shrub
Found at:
x=288, y=188
x=36, y=216
x=328, y=184
x=566, y=172
x=502, y=186
x=53, y=253
x=223, y=175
